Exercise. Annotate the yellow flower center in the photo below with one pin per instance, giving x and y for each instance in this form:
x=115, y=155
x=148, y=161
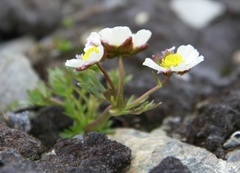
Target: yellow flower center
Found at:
x=89, y=52
x=171, y=60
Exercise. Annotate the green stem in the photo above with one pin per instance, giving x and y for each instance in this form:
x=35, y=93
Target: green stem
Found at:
x=120, y=78
x=107, y=77
x=99, y=121
x=146, y=94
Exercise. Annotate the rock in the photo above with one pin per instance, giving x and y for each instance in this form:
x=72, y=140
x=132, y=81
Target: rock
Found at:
x=95, y=153
x=199, y=13
x=28, y=17
x=233, y=5
x=20, y=45
x=16, y=77
x=22, y=153
x=48, y=123
x=216, y=122
x=26, y=145
x=233, y=156
x=170, y=165
x=149, y=149
x=12, y=162
x=20, y=120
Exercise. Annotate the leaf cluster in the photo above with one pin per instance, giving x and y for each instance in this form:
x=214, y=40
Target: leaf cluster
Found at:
x=70, y=90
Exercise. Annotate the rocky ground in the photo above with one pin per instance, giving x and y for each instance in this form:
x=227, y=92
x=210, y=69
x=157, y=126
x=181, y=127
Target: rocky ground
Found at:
x=192, y=131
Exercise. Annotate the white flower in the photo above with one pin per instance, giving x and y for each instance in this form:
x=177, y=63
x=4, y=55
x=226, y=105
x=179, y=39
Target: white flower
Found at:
x=141, y=37
x=183, y=60
x=94, y=52
x=121, y=41
x=115, y=36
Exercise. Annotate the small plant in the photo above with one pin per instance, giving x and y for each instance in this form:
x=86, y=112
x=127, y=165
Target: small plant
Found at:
x=83, y=98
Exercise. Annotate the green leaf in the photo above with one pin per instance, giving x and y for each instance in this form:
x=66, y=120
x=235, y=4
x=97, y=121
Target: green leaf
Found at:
x=91, y=83
x=40, y=96
x=60, y=82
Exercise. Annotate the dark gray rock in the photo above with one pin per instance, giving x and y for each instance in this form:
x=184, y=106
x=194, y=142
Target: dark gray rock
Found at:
x=12, y=162
x=28, y=17
x=216, y=122
x=95, y=153
x=26, y=145
x=170, y=165
x=48, y=123
x=233, y=6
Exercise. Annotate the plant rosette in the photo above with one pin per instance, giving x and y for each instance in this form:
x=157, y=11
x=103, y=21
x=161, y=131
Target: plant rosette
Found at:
x=180, y=62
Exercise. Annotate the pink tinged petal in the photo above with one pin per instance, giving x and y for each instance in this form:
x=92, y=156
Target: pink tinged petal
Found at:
x=93, y=39
x=150, y=63
x=115, y=36
x=141, y=37
x=78, y=56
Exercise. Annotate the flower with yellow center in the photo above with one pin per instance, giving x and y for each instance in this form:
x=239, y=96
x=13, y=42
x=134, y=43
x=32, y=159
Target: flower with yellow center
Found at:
x=171, y=60
x=182, y=61
x=94, y=52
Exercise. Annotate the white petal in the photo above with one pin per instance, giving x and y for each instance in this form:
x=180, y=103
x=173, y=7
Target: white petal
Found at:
x=74, y=63
x=93, y=39
x=181, y=67
x=141, y=37
x=150, y=63
x=115, y=36
x=188, y=52
x=187, y=66
x=96, y=57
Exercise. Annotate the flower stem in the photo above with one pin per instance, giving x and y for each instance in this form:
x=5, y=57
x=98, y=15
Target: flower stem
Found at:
x=56, y=101
x=109, y=80
x=99, y=121
x=149, y=92
x=120, y=78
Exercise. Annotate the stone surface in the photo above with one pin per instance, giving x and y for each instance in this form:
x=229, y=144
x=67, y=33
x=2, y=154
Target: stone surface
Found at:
x=198, y=13
x=170, y=165
x=16, y=76
x=20, y=121
x=48, y=123
x=149, y=149
x=28, y=17
x=233, y=5
x=26, y=145
x=19, y=45
x=95, y=153
x=22, y=153
x=217, y=121
x=13, y=162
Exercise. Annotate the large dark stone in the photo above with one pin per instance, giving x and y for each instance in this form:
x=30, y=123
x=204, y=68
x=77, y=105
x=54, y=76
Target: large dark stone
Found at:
x=26, y=145
x=28, y=17
x=170, y=165
x=216, y=122
x=48, y=123
x=95, y=153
